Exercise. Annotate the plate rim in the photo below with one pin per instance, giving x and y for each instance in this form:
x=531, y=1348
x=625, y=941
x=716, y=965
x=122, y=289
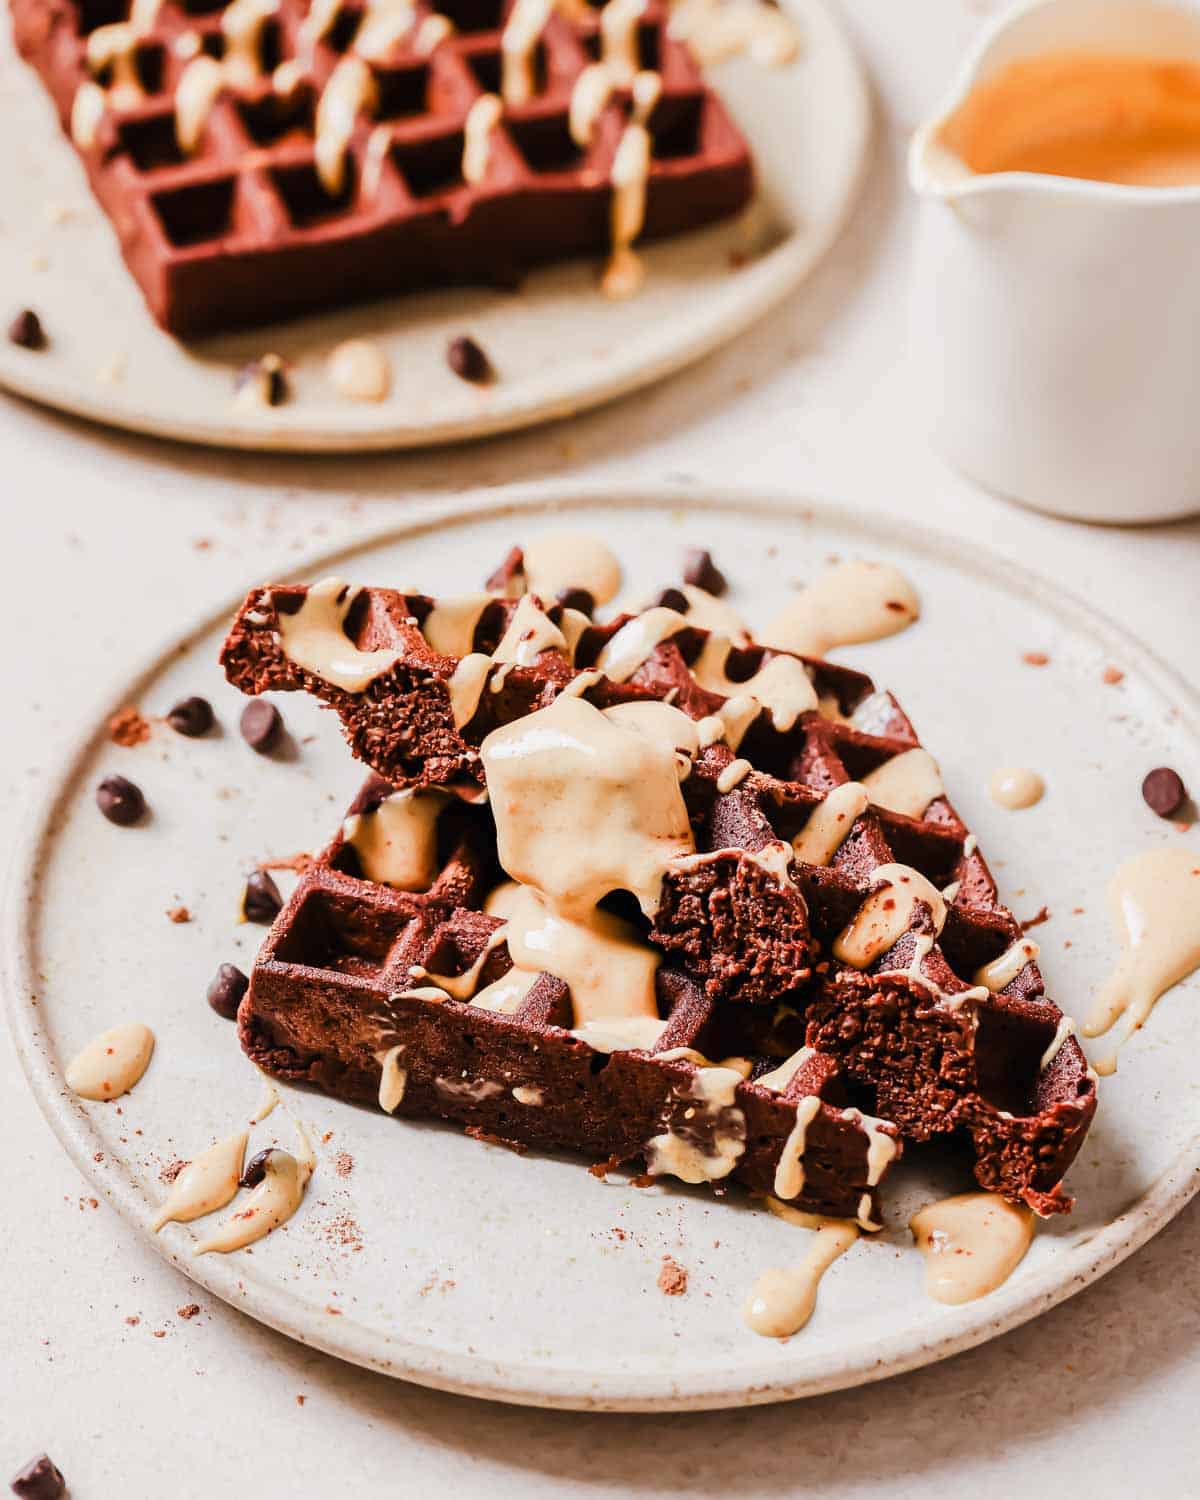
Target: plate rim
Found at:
x=535, y=1384
x=763, y=285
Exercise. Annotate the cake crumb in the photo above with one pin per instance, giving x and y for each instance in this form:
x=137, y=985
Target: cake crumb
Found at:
x=300, y=1400
x=188, y=1311
x=1112, y=675
x=127, y=727
x=178, y=914
x=1035, y=658
x=1040, y=916
x=300, y=863
x=133, y=1320
x=672, y=1278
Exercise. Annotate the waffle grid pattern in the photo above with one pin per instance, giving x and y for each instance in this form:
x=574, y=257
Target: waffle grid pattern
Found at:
x=244, y=229
x=937, y=1056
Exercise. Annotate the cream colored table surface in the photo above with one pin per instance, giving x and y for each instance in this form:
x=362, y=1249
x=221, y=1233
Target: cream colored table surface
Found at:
x=103, y=533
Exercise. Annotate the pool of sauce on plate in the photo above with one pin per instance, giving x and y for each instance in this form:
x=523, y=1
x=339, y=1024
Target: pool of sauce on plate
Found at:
x=1103, y=117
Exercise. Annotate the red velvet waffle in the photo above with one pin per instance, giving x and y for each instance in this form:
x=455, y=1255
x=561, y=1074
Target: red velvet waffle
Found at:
x=242, y=230
x=910, y=1037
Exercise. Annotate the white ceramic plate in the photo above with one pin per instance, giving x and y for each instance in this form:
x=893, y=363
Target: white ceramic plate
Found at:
x=559, y=345
x=526, y=1279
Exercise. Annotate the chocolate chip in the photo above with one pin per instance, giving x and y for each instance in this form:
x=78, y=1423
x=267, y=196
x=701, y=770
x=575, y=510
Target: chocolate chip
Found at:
x=191, y=716
x=260, y=724
x=509, y=578
x=256, y=1168
x=225, y=991
x=673, y=599
x=39, y=1480
x=1164, y=791
x=264, y=379
x=468, y=361
x=701, y=572
x=261, y=900
x=579, y=599
x=26, y=330
x=120, y=801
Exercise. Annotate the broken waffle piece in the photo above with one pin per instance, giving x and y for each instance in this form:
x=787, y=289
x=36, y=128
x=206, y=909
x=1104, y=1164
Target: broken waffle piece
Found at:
x=270, y=157
x=737, y=851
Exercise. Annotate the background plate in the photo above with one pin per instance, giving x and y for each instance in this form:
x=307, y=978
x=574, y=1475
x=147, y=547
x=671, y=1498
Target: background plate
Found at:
x=466, y=1267
x=559, y=345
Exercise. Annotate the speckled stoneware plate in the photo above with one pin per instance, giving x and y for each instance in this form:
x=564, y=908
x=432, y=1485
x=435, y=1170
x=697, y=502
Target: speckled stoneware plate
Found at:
x=431, y=1256
x=559, y=345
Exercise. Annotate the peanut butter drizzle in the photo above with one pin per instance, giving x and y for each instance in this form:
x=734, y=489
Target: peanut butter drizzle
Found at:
x=383, y=24
x=1004, y=969
x=1124, y=119
x=110, y=1065
x=586, y=804
x=202, y=81
x=526, y=22
x=560, y=560
x=789, y=1170
x=624, y=273
x=393, y=1079
x=482, y=119
x=113, y=47
x=569, y=779
x=779, y=1078
x=273, y=1202
x=358, y=368
x=1016, y=787
x=716, y=30
x=206, y=1184
x=852, y=602
x=1154, y=900
x=710, y=613
x=315, y=639
x=782, y=685
x=783, y=1298
x=886, y=915
x=530, y=632
x=906, y=784
x=829, y=824
x=713, y=1089
x=396, y=842
x=506, y=994
x=972, y=1244
x=636, y=641
x=465, y=686
x=451, y=624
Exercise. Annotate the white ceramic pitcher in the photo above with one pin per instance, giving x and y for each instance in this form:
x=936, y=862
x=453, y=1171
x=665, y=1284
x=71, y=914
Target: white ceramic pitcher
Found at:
x=1057, y=321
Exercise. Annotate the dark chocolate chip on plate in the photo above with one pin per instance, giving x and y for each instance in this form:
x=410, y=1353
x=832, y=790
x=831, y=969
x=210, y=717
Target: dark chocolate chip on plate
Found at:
x=260, y=724
x=263, y=382
x=226, y=989
x=674, y=599
x=580, y=599
x=256, y=1168
x=468, y=361
x=26, y=330
x=1164, y=791
x=40, y=1479
x=120, y=800
x=261, y=901
x=701, y=572
x=191, y=717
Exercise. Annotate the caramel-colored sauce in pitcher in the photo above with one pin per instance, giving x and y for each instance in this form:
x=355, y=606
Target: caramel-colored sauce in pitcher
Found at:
x=1104, y=117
